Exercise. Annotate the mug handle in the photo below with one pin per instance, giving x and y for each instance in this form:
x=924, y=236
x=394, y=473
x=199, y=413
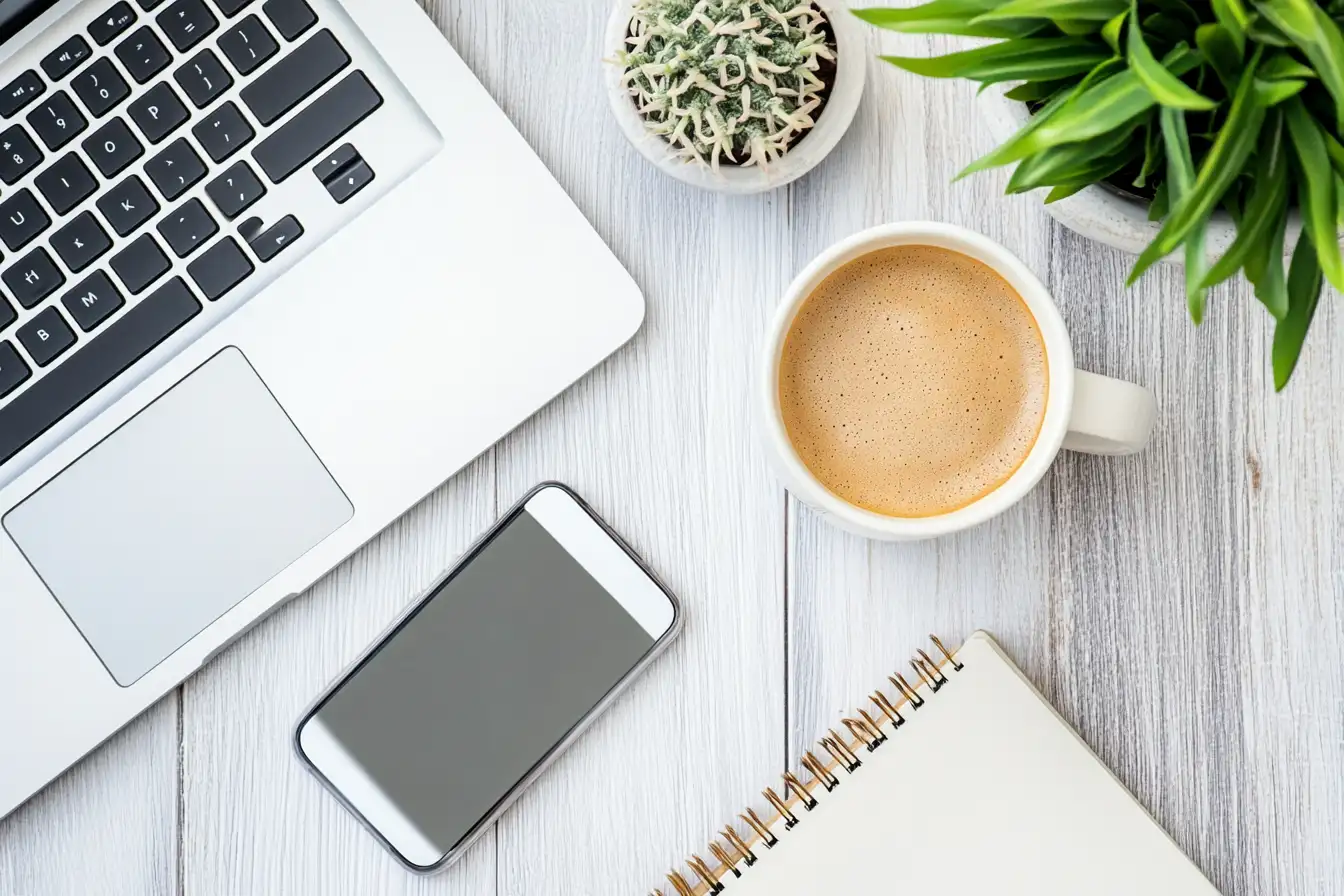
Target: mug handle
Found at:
x=1109, y=416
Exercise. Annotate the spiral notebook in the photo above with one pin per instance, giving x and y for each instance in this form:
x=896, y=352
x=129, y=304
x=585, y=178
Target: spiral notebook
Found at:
x=960, y=779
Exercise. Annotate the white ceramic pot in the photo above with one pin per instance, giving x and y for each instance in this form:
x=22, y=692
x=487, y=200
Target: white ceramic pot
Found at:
x=851, y=58
x=1098, y=213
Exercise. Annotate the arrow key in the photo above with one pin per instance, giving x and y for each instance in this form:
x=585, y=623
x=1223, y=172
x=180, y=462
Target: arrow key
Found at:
x=274, y=241
x=353, y=179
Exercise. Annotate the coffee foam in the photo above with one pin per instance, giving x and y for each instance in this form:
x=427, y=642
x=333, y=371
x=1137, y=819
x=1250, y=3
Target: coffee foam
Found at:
x=913, y=381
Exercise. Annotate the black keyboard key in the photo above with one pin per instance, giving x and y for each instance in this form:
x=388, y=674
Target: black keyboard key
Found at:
x=187, y=228
x=231, y=7
x=159, y=112
x=66, y=58
x=46, y=336
x=33, y=278
x=106, y=356
x=350, y=181
x=203, y=79
x=290, y=17
x=140, y=264
x=113, y=147
x=332, y=165
x=295, y=77
x=147, y=5
x=66, y=183
x=127, y=206
x=317, y=126
x=111, y=24
x=224, y=132
x=18, y=154
x=7, y=314
x=176, y=169
x=20, y=92
x=57, y=120
x=272, y=242
x=92, y=301
x=81, y=242
x=100, y=87
x=21, y=220
x=143, y=54
x=220, y=269
x=248, y=44
x=236, y=190
x=14, y=371
x=187, y=22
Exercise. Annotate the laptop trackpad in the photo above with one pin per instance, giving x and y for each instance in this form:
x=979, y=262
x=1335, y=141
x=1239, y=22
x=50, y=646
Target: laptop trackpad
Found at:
x=178, y=515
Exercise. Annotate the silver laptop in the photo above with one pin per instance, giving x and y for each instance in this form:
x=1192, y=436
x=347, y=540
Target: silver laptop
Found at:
x=272, y=270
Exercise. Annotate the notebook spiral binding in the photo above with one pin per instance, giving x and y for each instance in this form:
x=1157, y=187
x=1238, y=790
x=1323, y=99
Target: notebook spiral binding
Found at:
x=733, y=853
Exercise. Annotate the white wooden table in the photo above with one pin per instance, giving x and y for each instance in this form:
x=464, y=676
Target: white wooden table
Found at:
x=1182, y=607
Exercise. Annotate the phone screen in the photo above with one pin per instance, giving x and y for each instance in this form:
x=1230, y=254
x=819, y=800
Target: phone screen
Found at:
x=480, y=683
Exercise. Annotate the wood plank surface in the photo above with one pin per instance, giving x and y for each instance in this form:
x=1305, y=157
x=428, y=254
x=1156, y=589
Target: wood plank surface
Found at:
x=1182, y=607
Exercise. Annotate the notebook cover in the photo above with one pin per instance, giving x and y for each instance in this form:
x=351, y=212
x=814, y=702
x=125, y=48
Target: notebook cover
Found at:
x=985, y=790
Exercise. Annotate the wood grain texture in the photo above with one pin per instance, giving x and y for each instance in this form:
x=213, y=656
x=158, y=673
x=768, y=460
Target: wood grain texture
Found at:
x=1182, y=607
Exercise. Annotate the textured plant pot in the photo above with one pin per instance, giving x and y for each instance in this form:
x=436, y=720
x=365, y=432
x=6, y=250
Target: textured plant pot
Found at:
x=1098, y=213
x=851, y=59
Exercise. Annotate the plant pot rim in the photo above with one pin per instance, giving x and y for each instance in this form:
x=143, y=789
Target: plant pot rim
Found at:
x=851, y=68
x=1102, y=214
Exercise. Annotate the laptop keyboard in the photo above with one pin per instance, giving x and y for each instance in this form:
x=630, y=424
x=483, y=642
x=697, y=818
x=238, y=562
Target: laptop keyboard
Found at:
x=89, y=244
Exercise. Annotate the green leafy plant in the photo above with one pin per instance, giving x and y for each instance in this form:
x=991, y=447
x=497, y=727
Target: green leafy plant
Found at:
x=1197, y=105
x=728, y=80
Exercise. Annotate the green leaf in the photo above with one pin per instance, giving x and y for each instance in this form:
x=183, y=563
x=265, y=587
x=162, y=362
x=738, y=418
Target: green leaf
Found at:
x=1282, y=66
x=1152, y=154
x=1264, y=268
x=1110, y=32
x=1075, y=27
x=1316, y=188
x=1000, y=155
x=1071, y=161
x=1219, y=48
x=1319, y=39
x=1304, y=294
x=947, y=17
x=1220, y=169
x=1166, y=26
x=1035, y=91
x=1025, y=59
x=1262, y=31
x=1274, y=92
x=1089, y=10
x=1157, y=209
x=1165, y=87
x=1268, y=202
x=1181, y=178
x=1233, y=18
x=1097, y=109
x=1335, y=151
x=1064, y=191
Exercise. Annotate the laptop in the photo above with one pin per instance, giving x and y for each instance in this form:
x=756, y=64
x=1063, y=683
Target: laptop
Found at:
x=270, y=272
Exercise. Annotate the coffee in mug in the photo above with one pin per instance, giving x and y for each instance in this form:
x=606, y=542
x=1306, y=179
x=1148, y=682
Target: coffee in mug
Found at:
x=913, y=381
x=918, y=380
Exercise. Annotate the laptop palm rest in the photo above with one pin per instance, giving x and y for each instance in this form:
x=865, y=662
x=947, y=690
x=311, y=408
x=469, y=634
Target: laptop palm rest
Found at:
x=178, y=515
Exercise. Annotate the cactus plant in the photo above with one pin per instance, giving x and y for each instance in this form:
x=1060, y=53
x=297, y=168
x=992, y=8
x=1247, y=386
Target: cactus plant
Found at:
x=736, y=81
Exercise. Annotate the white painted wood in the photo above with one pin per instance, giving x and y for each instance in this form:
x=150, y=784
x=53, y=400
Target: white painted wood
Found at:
x=109, y=825
x=1183, y=607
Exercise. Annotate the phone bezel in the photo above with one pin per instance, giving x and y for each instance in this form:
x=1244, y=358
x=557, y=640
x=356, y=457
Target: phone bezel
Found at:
x=587, y=538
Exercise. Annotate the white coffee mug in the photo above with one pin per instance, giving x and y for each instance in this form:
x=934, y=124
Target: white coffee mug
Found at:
x=1084, y=411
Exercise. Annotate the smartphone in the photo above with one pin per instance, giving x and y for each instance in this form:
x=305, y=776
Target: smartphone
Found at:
x=450, y=715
